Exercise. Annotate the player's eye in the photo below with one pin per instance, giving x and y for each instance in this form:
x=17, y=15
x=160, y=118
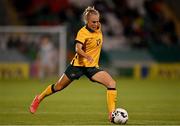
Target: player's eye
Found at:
x=95, y=22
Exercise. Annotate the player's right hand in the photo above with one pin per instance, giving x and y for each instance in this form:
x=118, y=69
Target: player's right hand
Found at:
x=90, y=59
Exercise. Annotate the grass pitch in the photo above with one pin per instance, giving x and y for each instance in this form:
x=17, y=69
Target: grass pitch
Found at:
x=148, y=102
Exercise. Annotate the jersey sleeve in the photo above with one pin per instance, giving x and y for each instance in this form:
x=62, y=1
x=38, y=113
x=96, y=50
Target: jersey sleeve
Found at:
x=81, y=37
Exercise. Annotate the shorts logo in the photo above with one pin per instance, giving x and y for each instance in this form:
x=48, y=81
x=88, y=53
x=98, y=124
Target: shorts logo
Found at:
x=98, y=41
x=73, y=75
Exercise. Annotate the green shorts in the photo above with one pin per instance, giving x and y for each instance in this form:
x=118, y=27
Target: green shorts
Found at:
x=75, y=72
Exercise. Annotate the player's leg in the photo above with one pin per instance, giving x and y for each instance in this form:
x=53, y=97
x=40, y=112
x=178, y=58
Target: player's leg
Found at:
x=63, y=82
x=51, y=89
x=104, y=78
x=69, y=75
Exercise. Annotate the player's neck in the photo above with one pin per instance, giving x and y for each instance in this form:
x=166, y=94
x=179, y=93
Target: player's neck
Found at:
x=89, y=29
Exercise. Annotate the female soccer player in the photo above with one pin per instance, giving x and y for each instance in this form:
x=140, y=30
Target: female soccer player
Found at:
x=88, y=46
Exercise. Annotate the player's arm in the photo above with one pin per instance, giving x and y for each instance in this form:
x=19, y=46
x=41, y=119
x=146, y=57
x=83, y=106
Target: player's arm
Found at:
x=81, y=52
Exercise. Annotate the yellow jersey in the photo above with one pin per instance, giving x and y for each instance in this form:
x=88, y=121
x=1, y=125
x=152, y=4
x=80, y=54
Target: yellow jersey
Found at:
x=92, y=44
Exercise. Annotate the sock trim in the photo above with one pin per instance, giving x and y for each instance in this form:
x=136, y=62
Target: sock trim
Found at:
x=52, y=88
x=111, y=88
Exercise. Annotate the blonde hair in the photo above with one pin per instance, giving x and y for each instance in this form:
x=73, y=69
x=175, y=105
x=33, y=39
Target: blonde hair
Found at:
x=88, y=11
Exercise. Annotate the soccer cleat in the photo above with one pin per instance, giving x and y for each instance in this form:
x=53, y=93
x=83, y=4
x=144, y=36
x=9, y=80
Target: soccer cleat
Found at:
x=34, y=105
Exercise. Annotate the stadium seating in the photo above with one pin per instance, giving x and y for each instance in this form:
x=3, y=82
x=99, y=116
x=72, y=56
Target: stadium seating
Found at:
x=142, y=31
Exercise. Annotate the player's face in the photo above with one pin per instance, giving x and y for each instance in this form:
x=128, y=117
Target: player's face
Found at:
x=93, y=22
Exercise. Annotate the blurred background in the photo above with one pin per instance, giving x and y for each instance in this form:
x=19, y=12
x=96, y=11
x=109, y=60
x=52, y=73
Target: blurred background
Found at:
x=141, y=37
x=141, y=50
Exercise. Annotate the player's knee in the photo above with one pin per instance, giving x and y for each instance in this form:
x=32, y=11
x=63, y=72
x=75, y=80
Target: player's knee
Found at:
x=112, y=84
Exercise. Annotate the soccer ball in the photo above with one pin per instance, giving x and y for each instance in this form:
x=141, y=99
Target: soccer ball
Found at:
x=120, y=116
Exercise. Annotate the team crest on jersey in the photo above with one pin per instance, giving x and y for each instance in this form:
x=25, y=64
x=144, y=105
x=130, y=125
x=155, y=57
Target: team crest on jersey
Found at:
x=98, y=42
